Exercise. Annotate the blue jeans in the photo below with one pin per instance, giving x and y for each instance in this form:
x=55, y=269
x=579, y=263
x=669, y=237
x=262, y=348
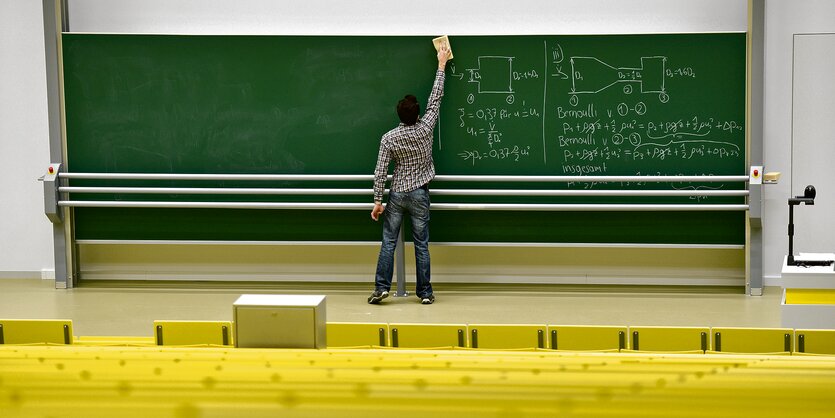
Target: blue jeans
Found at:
x=416, y=203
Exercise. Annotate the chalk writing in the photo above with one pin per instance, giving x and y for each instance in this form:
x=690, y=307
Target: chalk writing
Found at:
x=596, y=114
x=515, y=154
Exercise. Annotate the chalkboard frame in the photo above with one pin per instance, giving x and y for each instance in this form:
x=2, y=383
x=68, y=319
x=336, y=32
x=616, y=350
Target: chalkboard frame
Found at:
x=84, y=224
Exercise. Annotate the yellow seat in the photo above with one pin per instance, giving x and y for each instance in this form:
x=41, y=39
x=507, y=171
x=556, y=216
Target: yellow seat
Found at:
x=101, y=340
x=36, y=331
x=507, y=336
x=670, y=338
x=579, y=338
x=428, y=335
x=752, y=340
x=193, y=332
x=815, y=341
x=357, y=334
x=810, y=296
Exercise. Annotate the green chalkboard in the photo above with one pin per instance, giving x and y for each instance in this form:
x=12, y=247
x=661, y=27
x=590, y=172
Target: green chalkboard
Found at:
x=522, y=105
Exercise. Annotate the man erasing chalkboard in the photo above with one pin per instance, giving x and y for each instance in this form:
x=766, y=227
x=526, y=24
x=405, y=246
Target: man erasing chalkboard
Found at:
x=410, y=146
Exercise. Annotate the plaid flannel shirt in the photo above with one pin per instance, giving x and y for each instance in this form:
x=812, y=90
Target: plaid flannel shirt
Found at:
x=411, y=149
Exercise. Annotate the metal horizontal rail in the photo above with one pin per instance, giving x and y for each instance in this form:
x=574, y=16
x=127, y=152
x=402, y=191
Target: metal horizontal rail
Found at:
x=369, y=177
x=216, y=190
x=434, y=244
x=369, y=192
x=596, y=179
x=229, y=177
x=435, y=206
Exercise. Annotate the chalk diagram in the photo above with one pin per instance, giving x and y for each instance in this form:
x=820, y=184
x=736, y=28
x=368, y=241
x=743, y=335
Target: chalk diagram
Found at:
x=493, y=75
x=589, y=75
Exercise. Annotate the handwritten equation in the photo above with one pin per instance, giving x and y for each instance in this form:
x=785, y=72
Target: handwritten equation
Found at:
x=572, y=112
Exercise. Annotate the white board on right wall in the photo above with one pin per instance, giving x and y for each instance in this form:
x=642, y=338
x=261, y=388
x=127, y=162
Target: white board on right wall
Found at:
x=813, y=140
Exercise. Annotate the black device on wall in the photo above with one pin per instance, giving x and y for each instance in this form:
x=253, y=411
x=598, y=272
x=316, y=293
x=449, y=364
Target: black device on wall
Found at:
x=808, y=198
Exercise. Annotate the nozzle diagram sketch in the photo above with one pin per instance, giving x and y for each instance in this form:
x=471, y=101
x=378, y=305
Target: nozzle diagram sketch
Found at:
x=590, y=75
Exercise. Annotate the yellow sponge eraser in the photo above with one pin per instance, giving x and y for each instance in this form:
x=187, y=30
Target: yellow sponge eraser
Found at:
x=771, y=177
x=440, y=41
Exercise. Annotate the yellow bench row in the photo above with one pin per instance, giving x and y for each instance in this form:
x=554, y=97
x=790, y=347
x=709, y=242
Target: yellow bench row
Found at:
x=70, y=381
x=583, y=338
x=47, y=331
x=477, y=336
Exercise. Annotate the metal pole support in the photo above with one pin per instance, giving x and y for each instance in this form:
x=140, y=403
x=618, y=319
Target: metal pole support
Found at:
x=400, y=263
x=56, y=21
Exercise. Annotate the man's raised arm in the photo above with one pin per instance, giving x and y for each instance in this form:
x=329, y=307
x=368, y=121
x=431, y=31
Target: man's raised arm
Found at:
x=433, y=105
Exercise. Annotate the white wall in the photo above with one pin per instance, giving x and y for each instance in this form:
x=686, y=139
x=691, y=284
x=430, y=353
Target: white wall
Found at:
x=784, y=19
x=26, y=239
x=25, y=233
x=427, y=17
x=813, y=138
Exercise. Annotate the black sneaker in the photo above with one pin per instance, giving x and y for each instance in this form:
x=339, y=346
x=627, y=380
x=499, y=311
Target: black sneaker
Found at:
x=427, y=300
x=377, y=296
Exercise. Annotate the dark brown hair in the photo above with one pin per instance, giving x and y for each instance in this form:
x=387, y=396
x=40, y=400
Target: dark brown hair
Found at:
x=408, y=109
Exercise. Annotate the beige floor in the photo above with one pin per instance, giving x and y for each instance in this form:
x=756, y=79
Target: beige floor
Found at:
x=118, y=311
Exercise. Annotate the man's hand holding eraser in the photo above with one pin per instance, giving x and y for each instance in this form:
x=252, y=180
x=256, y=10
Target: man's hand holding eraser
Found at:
x=442, y=40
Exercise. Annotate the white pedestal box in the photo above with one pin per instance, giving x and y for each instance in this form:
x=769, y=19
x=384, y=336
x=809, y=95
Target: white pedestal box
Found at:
x=280, y=321
x=807, y=293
